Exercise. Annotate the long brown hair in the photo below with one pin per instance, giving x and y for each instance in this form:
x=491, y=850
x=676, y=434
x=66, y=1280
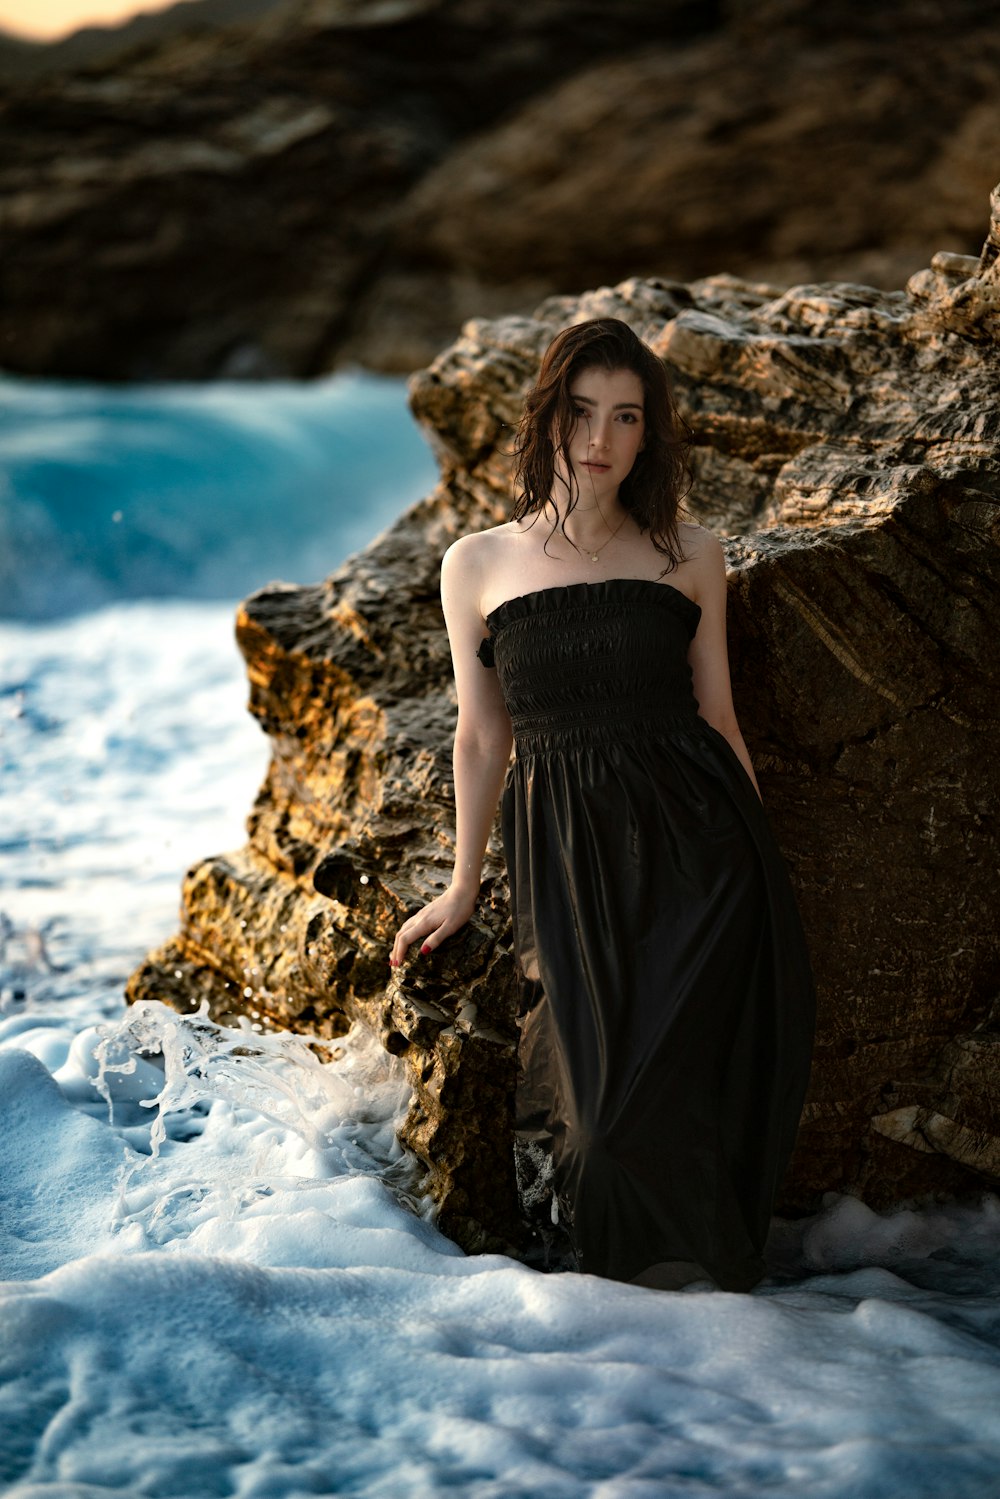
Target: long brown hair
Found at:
x=660, y=476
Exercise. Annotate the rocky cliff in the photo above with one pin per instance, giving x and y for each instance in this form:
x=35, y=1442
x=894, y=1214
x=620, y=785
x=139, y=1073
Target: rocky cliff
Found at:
x=847, y=449
x=351, y=179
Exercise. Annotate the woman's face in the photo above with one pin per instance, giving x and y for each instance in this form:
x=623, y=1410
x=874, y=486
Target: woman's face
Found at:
x=608, y=434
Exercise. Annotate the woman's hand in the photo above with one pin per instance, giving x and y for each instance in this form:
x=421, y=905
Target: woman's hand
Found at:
x=481, y=752
x=430, y=926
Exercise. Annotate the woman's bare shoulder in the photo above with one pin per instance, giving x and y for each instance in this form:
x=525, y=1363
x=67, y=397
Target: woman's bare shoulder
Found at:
x=698, y=543
x=469, y=557
x=704, y=564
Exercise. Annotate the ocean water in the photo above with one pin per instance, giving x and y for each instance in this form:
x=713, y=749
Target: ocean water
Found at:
x=194, y=491
x=220, y=1273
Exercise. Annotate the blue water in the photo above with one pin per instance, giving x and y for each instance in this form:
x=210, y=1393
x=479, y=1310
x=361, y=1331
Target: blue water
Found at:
x=194, y=491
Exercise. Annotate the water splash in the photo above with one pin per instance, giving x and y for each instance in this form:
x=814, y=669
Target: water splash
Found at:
x=241, y=1115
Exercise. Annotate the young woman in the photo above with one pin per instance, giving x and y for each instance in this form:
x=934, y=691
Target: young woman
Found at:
x=667, y=1009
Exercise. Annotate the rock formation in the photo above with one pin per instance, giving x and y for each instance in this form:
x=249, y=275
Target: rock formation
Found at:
x=350, y=180
x=847, y=449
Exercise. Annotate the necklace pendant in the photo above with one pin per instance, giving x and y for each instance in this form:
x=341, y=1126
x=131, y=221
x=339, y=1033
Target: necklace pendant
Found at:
x=593, y=556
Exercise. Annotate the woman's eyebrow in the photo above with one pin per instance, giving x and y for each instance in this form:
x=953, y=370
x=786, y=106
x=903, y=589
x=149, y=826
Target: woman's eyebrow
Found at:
x=619, y=406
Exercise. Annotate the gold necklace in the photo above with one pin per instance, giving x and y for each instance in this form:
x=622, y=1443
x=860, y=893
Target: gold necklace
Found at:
x=596, y=554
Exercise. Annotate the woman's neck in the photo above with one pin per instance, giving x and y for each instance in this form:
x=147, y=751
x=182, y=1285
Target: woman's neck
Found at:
x=589, y=522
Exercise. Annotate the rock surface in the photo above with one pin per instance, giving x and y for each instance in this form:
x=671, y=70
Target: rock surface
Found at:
x=286, y=198
x=847, y=448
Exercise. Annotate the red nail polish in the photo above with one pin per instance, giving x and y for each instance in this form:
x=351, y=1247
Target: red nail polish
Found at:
x=425, y=948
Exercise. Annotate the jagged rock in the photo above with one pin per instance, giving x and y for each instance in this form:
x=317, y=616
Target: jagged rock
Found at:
x=350, y=679
x=349, y=182
x=846, y=445
x=819, y=156
x=219, y=203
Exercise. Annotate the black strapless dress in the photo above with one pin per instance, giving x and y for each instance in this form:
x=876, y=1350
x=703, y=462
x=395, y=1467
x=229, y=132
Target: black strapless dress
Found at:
x=667, y=1007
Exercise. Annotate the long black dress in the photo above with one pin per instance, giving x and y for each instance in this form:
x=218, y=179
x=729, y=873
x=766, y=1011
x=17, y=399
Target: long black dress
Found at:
x=667, y=1004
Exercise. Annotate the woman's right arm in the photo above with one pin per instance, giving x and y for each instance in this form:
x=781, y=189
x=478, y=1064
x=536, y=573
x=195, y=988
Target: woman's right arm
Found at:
x=481, y=753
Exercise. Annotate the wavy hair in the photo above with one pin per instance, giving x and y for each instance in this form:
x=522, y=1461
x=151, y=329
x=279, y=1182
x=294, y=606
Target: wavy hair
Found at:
x=660, y=477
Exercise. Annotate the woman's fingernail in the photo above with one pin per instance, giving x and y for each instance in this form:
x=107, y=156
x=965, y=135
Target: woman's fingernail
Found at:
x=425, y=948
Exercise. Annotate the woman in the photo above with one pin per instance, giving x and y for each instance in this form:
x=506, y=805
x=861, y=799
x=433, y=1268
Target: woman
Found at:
x=667, y=1008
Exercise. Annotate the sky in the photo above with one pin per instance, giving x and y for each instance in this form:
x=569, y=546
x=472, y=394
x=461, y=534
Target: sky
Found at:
x=45, y=20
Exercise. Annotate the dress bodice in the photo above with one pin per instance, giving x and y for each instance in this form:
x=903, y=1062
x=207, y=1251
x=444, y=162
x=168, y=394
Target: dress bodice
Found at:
x=593, y=661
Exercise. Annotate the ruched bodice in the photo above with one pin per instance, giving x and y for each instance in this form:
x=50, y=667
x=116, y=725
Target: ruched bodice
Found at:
x=666, y=1003
x=581, y=662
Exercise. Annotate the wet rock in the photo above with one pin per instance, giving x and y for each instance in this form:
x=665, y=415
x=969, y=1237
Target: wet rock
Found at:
x=847, y=448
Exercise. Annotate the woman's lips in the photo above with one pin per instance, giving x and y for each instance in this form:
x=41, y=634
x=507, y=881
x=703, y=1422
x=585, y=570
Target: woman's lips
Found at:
x=601, y=467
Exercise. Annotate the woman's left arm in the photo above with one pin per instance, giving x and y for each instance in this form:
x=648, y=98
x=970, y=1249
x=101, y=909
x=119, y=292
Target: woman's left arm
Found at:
x=709, y=653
